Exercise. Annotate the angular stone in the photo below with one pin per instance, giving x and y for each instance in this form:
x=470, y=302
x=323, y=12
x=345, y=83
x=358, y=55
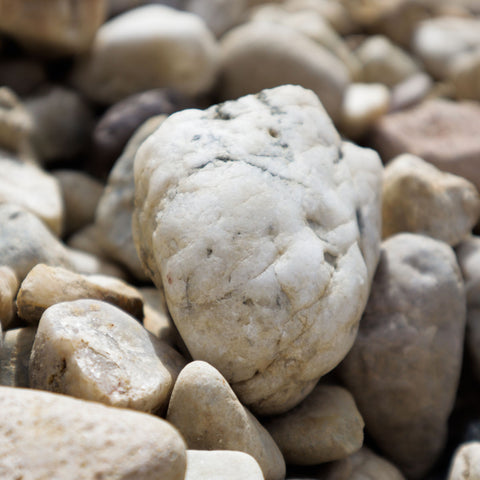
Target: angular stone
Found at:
x=62, y=123
x=26, y=241
x=81, y=194
x=53, y=27
x=92, y=350
x=8, y=292
x=439, y=131
x=45, y=286
x=412, y=328
x=466, y=462
x=29, y=187
x=325, y=427
x=171, y=49
x=383, y=62
x=221, y=465
x=286, y=56
x=113, y=217
x=15, y=357
x=419, y=198
x=210, y=417
x=275, y=223
x=439, y=42
x=363, y=103
x=43, y=435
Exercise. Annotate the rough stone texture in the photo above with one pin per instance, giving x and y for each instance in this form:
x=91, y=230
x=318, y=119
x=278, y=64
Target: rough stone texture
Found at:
x=92, y=350
x=258, y=236
x=466, y=462
x=441, y=132
x=28, y=186
x=326, y=426
x=37, y=440
x=45, y=286
x=26, y=241
x=171, y=49
x=419, y=198
x=210, y=417
x=411, y=91
x=221, y=465
x=15, y=123
x=53, y=27
x=15, y=357
x=363, y=104
x=366, y=465
x=412, y=328
x=439, y=42
x=287, y=57
x=81, y=194
x=121, y=120
x=113, y=217
x=62, y=123
x=8, y=291
x=383, y=62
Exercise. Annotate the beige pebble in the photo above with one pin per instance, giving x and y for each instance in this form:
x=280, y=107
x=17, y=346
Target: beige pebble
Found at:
x=8, y=292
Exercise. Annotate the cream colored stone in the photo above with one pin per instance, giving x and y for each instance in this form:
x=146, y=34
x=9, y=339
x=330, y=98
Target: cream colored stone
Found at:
x=221, y=465
x=15, y=357
x=8, y=292
x=419, y=198
x=258, y=235
x=383, y=62
x=92, y=350
x=81, y=194
x=53, y=27
x=30, y=187
x=466, y=462
x=43, y=435
x=363, y=103
x=170, y=49
x=325, y=427
x=366, y=465
x=210, y=417
x=45, y=286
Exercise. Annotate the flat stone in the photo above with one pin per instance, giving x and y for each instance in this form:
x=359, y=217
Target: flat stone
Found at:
x=221, y=465
x=113, y=217
x=44, y=435
x=412, y=328
x=286, y=56
x=439, y=131
x=255, y=277
x=171, y=49
x=210, y=417
x=62, y=123
x=30, y=187
x=466, y=462
x=8, y=292
x=15, y=357
x=92, y=350
x=325, y=427
x=419, y=198
x=45, y=286
x=26, y=241
x=80, y=193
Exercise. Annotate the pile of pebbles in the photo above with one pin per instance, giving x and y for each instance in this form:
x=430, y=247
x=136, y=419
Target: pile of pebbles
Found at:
x=237, y=239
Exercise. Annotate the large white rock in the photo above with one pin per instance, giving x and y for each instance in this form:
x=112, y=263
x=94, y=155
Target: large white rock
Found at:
x=263, y=228
x=44, y=435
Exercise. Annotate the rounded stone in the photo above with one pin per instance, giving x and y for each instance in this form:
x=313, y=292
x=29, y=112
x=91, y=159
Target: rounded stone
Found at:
x=466, y=462
x=8, y=292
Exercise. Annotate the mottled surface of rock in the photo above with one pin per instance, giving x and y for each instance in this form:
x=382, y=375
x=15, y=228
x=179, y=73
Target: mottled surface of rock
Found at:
x=221, y=465
x=256, y=234
x=171, y=49
x=466, y=462
x=45, y=286
x=37, y=440
x=419, y=198
x=412, y=328
x=92, y=350
x=8, y=292
x=325, y=427
x=210, y=417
